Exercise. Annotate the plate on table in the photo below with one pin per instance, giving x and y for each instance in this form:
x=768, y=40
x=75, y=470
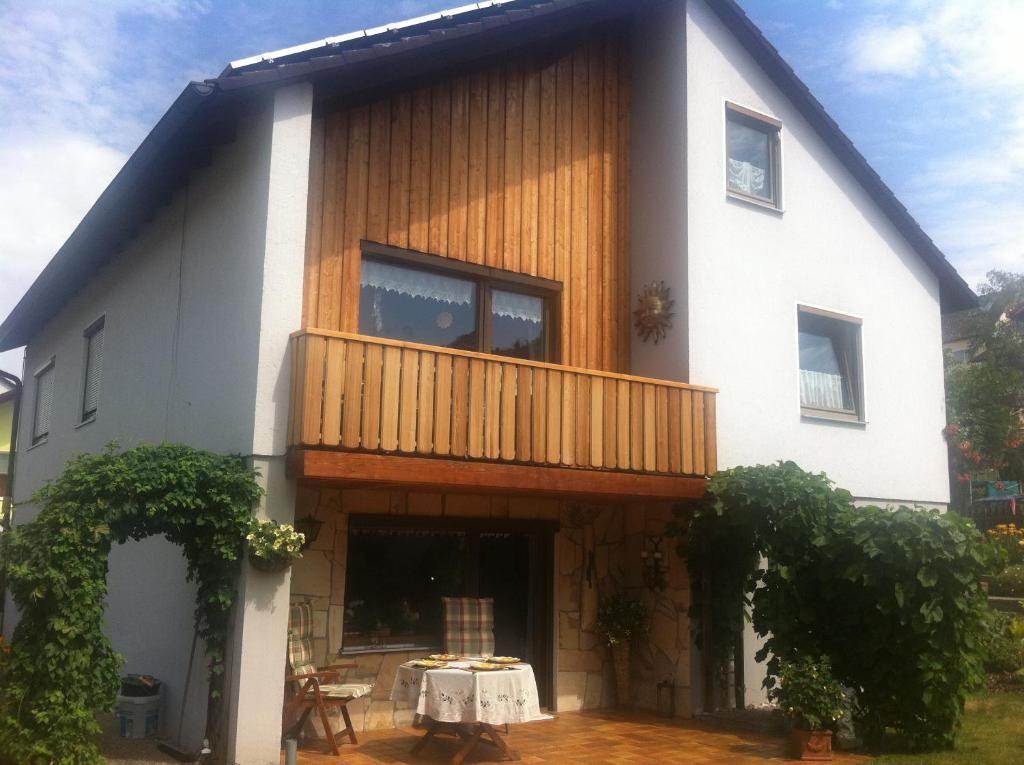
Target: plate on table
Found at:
x=486, y=666
x=428, y=664
x=504, y=660
x=444, y=657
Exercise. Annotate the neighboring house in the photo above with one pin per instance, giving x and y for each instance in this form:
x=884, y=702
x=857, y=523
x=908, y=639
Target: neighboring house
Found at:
x=8, y=404
x=397, y=268
x=957, y=335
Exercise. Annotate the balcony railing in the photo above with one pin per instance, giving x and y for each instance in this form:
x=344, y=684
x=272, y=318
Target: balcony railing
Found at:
x=371, y=394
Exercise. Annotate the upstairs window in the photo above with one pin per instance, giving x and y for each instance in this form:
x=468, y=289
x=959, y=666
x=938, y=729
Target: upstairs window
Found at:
x=43, y=412
x=830, y=365
x=752, y=166
x=410, y=296
x=93, y=370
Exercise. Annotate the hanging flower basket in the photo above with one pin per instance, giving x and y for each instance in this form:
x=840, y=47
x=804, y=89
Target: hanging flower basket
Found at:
x=274, y=565
x=273, y=546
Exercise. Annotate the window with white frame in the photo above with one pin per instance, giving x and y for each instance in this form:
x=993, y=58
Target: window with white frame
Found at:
x=830, y=365
x=93, y=372
x=43, y=412
x=753, y=166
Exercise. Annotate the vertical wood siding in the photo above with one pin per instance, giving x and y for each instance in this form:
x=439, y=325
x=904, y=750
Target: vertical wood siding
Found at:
x=522, y=167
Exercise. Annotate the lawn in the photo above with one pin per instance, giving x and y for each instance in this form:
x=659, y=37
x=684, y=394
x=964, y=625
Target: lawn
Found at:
x=993, y=734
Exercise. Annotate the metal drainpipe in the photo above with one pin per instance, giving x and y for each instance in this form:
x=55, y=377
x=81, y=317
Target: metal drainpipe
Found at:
x=18, y=390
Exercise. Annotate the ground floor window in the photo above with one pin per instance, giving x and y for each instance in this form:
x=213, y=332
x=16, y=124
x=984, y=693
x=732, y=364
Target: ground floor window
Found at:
x=397, y=570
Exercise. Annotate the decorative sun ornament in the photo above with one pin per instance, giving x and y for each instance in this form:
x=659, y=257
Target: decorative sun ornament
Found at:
x=654, y=314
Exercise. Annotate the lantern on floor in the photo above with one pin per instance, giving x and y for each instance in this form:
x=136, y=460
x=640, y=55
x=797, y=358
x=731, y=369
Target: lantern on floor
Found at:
x=666, y=698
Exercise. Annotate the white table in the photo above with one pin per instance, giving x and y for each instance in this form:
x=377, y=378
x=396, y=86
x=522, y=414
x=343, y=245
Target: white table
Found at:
x=467, y=703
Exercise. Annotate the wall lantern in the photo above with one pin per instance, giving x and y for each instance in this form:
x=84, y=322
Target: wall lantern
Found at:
x=652, y=564
x=310, y=528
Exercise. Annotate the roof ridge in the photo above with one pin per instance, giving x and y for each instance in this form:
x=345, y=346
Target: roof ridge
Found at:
x=360, y=34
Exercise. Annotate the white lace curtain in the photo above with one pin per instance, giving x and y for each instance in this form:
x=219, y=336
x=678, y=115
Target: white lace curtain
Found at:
x=745, y=177
x=514, y=305
x=821, y=390
x=415, y=283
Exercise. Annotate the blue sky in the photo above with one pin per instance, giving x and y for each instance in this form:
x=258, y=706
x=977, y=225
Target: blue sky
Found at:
x=929, y=90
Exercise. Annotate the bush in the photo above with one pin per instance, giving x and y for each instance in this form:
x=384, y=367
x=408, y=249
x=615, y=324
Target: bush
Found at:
x=892, y=596
x=808, y=694
x=1009, y=583
x=621, y=619
x=1004, y=644
x=61, y=669
x=1009, y=538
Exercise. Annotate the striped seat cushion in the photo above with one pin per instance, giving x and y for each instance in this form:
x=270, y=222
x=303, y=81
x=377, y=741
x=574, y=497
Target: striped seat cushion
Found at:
x=300, y=620
x=345, y=690
x=300, y=643
x=468, y=626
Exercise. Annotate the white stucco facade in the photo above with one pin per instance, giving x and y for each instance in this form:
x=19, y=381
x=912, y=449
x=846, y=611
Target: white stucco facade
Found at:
x=197, y=312
x=831, y=247
x=745, y=269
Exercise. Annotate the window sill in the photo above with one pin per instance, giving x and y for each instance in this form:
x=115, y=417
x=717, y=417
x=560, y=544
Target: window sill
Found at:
x=41, y=442
x=361, y=650
x=840, y=418
x=90, y=419
x=755, y=202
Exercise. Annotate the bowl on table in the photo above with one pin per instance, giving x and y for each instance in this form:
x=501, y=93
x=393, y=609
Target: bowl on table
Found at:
x=486, y=666
x=428, y=664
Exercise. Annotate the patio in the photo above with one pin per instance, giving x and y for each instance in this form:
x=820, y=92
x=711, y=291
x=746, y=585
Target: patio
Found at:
x=582, y=738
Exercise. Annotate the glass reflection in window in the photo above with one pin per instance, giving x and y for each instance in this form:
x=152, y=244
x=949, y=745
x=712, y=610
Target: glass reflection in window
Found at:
x=751, y=165
x=828, y=363
x=416, y=305
x=517, y=325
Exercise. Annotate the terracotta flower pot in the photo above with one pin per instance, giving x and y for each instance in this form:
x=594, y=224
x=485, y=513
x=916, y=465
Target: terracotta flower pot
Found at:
x=811, y=744
x=269, y=565
x=620, y=661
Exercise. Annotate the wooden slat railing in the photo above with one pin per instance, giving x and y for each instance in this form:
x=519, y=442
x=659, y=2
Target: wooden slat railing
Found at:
x=357, y=392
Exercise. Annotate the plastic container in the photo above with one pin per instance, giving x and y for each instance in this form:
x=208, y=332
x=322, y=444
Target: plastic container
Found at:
x=138, y=706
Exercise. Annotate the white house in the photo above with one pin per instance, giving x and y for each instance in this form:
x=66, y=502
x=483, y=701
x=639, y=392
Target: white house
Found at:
x=398, y=267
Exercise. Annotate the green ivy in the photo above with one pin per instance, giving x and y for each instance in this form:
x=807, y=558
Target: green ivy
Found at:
x=61, y=669
x=893, y=597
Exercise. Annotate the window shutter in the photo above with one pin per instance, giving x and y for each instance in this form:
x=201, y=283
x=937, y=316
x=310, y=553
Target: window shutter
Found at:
x=44, y=404
x=93, y=373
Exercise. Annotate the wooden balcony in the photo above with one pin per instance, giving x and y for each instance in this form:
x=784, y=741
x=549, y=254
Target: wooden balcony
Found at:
x=383, y=411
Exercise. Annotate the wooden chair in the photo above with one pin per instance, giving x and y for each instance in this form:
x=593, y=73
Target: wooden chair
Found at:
x=315, y=689
x=468, y=626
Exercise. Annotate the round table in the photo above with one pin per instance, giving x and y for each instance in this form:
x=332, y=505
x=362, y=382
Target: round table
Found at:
x=469, y=703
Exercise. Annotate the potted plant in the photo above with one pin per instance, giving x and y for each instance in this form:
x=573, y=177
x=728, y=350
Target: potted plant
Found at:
x=273, y=546
x=620, y=621
x=814, y=700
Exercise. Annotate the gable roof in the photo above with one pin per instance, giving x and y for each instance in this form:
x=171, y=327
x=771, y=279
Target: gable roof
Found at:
x=202, y=117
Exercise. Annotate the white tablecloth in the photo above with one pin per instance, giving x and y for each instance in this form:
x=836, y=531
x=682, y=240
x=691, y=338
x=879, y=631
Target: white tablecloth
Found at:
x=454, y=695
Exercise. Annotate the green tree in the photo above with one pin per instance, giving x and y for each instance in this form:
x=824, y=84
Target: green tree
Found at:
x=985, y=397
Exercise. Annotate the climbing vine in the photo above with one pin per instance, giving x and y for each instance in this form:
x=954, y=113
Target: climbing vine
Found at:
x=61, y=670
x=892, y=596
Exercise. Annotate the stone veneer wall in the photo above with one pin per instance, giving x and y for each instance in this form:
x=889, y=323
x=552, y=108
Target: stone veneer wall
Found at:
x=608, y=536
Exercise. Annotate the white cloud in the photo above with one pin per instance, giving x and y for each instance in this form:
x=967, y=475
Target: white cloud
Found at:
x=74, y=107
x=49, y=183
x=889, y=50
x=960, y=59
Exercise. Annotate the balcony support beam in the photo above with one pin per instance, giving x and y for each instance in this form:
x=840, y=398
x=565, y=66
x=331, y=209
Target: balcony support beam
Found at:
x=320, y=465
